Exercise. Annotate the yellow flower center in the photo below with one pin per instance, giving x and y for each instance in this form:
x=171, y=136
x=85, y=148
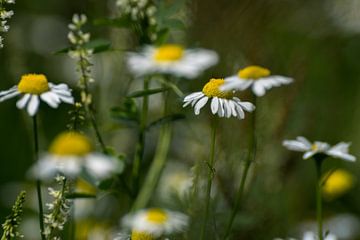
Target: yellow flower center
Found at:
x=71, y=143
x=253, y=72
x=135, y=235
x=169, y=53
x=212, y=89
x=157, y=216
x=33, y=83
x=314, y=147
x=338, y=183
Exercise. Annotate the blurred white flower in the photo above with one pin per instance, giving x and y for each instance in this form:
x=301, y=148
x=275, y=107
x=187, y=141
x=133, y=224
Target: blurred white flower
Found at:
x=223, y=103
x=301, y=144
x=313, y=236
x=171, y=59
x=71, y=153
x=34, y=87
x=258, y=78
x=156, y=222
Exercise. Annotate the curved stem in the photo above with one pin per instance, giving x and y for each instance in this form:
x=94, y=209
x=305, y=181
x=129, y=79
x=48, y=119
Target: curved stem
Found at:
x=211, y=173
x=38, y=182
x=249, y=159
x=318, y=163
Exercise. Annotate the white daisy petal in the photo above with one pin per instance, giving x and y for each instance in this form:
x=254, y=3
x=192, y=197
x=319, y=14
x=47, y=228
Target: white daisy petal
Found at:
x=221, y=111
x=227, y=108
x=309, y=154
x=101, y=166
x=201, y=103
x=51, y=99
x=240, y=111
x=193, y=96
x=11, y=94
x=295, y=145
x=23, y=101
x=304, y=141
x=33, y=105
x=258, y=89
x=341, y=150
x=232, y=108
x=214, y=105
x=11, y=90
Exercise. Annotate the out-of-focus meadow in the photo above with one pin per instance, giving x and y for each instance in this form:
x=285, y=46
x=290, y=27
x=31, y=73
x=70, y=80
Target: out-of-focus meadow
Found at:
x=315, y=42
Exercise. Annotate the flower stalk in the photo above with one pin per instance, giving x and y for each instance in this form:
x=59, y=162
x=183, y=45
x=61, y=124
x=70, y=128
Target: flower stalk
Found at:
x=318, y=163
x=211, y=173
x=38, y=182
x=249, y=159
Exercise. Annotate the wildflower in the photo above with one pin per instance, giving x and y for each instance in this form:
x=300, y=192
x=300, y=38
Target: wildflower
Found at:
x=35, y=86
x=4, y=16
x=301, y=144
x=59, y=209
x=223, y=103
x=81, y=54
x=337, y=183
x=258, y=78
x=12, y=222
x=312, y=236
x=152, y=223
x=171, y=59
x=69, y=154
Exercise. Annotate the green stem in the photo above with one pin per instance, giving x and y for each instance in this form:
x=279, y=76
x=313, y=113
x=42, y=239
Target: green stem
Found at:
x=249, y=159
x=158, y=163
x=156, y=168
x=139, y=152
x=211, y=173
x=38, y=182
x=318, y=163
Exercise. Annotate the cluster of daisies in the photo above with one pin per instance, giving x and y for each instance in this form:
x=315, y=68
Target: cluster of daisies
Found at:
x=71, y=153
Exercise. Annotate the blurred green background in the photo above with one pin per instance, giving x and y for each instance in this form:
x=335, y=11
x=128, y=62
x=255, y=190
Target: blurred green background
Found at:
x=315, y=42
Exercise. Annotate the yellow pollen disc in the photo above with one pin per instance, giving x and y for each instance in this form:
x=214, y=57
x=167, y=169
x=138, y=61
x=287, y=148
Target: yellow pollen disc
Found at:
x=135, y=235
x=169, y=53
x=338, y=183
x=314, y=147
x=71, y=144
x=33, y=83
x=212, y=89
x=253, y=72
x=157, y=216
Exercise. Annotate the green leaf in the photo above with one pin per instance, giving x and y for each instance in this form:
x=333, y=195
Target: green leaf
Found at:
x=127, y=113
x=97, y=45
x=77, y=195
x=172, y=86
x=166, y=119
x=106, y=184
x=147, y=92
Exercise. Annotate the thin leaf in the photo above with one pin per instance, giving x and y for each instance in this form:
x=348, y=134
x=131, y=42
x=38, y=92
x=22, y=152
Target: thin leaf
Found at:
x=147, y=92
x=166, y=119
x=77, y=195
x=97, y=45
x=171, y=85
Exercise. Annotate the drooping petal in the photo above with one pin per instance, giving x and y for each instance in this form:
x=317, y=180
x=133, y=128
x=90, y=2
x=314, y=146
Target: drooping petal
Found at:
x=214, y=105
x=51, y=99
x=258, y=89
x=23, y=101
x=33, y=105
x=201, y=103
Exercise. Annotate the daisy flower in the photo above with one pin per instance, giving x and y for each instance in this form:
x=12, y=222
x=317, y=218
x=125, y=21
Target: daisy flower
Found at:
x=171, y=59
x=301, y=144
x=155, y=222
x=69, y=154
x=256, y=77
x=223, y=103
x=32, y=88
